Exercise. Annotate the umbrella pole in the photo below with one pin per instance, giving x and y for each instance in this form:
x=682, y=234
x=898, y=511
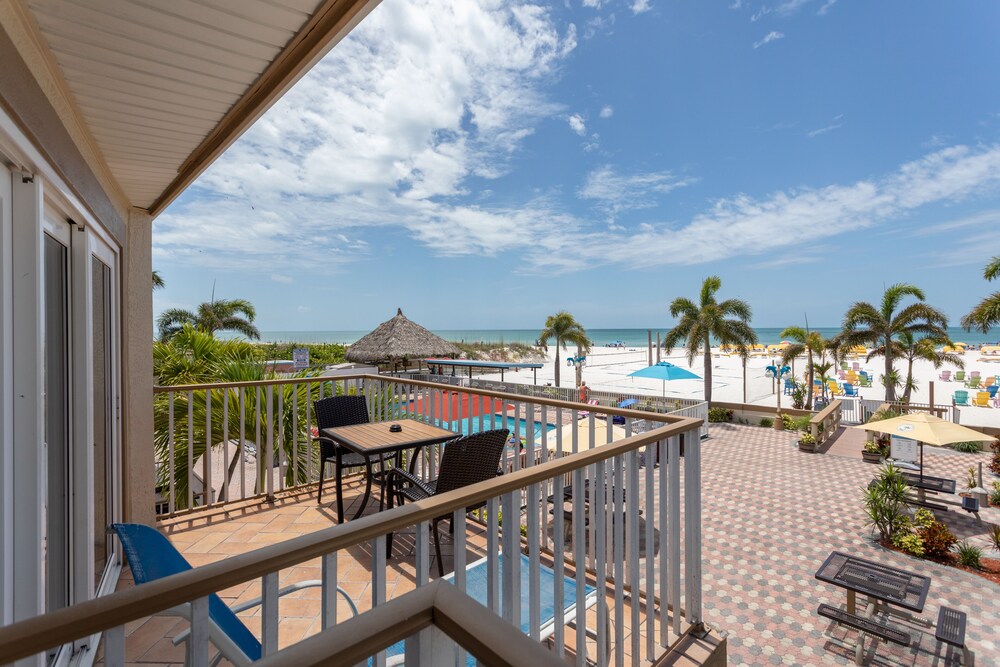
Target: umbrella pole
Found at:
x=921, y=462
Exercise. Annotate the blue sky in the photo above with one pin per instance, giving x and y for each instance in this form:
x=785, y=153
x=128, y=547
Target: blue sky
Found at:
x=485, y=163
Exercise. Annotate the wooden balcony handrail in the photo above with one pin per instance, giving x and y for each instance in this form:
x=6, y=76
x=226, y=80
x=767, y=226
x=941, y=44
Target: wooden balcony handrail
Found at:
x=472, y=626
x=518, y=398
x=62, y=626
x=826, y=412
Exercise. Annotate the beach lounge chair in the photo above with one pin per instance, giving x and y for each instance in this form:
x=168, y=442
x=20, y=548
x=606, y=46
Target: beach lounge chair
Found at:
x=849, y=390
x=151, y=556
x=982, y=399
x=842, y=375
x=990, y=381
x=960, y=397
x=856, y=366
x=865, y=380
x=972, y=382
x=843, y=365
x=586, y=413
x=945, y=376
x=992, y=390
x=975, y=374
x=789, y=387
x=835, y=389
x=959, y=376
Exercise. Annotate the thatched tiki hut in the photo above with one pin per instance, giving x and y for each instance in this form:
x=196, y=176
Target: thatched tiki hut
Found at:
x=399, y=340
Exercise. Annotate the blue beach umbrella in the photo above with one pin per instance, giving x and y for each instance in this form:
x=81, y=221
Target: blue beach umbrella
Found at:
x=664, y=371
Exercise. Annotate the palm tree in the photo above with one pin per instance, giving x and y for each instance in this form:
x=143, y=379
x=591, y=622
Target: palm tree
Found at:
x=864, y=324
x=707, y=319
x=158, y=281
x=222, y=315
x=986, y=314
x=809, y=343
x=565, y=330
x=911, y=348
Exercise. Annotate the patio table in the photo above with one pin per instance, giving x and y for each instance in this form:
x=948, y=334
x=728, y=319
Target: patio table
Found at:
x=374, y=439
x=901, y=588
x=926, y=484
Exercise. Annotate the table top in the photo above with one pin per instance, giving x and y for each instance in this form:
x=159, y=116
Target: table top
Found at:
x=376, y=438
x=929, y=483
x=899, y=587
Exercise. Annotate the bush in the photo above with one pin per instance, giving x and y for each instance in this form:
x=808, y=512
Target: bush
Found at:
x=872, y=447
x=909, y=542
x=970, y=555
x=995, y=494
x=923, y=518
x=798, y=396
x=994, y=535
x=995, y=463
x=937, y=539
x=718, y=415
x=970, y=447
x=807, y=439
x=766, y=422
x=788, y=422
x=885, y=502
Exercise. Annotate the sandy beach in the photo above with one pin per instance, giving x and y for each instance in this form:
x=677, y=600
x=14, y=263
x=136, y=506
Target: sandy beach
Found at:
x=607, y=369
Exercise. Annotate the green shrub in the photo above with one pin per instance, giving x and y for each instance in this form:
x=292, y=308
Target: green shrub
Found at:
x=799, y=396
x=807, y=439
x=767, y=422
x=971, y=479
x=872, y=447
x=995, y=463
x=937, y=539
x=970, y=447
x=788, y=422
x=994, y=534
x=718, y=415
x=909, y=542
x=923, y=518
x=970, y=555
x=995, y=494
x=885, y=502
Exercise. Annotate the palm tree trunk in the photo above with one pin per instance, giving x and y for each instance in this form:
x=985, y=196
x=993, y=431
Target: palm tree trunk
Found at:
x=890, y=388
x=558, y=343
x=809, y=394
x=909, y=381
x=708, y=371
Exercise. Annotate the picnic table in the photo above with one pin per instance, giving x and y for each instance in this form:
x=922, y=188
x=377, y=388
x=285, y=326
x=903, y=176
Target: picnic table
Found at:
x=878, y=582
x=926, y=484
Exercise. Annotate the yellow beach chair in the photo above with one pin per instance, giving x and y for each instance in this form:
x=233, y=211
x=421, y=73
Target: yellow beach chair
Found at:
x=836, y=390
x=982, y=399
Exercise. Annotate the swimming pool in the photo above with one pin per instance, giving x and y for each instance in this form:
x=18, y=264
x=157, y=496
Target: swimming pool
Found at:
x=471, y=425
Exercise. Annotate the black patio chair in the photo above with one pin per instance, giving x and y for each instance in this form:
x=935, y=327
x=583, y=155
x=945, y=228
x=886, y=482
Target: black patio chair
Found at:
x=466, y=460
x=337, y=411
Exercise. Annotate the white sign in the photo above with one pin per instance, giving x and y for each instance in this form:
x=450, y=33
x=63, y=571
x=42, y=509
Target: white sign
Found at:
x=903, y=449
x=300, y=356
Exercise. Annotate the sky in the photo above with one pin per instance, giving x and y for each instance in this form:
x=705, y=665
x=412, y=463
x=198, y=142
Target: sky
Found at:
x=486, y=163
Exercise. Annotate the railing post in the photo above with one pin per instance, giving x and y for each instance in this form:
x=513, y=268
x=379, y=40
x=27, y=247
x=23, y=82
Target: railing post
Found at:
x=269, y=612
x=692, y=530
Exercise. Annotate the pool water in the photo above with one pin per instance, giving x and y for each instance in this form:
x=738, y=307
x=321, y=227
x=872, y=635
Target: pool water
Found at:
x=471, y=425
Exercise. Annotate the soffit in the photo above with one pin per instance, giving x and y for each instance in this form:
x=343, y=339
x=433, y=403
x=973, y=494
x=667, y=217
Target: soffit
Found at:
x=164, y=87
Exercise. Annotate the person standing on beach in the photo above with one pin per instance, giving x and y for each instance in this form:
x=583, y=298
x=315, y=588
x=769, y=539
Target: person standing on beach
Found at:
x=584, y=392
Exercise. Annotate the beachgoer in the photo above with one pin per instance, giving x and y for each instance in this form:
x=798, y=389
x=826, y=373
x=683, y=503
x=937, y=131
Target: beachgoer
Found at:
x=584, y=392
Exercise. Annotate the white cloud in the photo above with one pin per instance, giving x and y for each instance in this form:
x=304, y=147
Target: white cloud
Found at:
x=640, y=6
x=386, y=130
x=745, y=226
x=772, y=36
x=760, y=13
x=281, y=278
x=737, y=4
x=607, y=111
x=827, y=6
x=577, y=124
x=616, y=193
x=791, y=6
x=836, y=124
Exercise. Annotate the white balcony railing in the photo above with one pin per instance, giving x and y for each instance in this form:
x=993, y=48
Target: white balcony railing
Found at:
x=635, y=536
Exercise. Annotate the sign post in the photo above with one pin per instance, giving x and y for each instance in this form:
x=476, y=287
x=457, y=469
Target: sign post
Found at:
x=300, y=357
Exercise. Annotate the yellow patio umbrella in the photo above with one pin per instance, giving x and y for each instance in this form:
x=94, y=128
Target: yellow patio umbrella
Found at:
x=926, y=428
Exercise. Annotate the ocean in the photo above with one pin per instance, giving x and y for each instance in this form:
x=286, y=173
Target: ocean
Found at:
x=599, y=337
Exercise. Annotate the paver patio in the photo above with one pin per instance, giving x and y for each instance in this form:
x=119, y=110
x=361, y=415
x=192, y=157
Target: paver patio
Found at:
x=772, y=514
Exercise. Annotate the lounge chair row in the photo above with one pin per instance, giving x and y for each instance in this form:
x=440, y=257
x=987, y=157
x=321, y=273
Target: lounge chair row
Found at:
x=981, y=399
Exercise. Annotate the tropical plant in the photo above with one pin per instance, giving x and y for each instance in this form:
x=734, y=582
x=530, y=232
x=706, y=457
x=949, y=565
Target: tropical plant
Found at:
x=718, y=415
x=823, y=369
x=879, y=327
x=885, y=502
x=970, y=555
x=236, y=421
x=158, y=281
x=909, y=542
x=799, y=395
x=995, y=461
x=565, y=330
x=937, y=539
x=728, y=322
x=216, y=315
x=912, y=348
x=813, y=345
x=807, y=438
x=994, y=535
x=766, y=422
x=986, y=314
x=872, y=447
x=970, y=447
x=995, y=494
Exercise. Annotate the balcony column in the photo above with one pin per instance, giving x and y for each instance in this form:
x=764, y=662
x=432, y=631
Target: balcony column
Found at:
x=139, y=482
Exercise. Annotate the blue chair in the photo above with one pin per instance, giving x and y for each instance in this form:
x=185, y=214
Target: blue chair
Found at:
x=849, y=390
x=151, y=556
x=789, y=386
x=961, y=397
x=477, y=585
x=993, y=390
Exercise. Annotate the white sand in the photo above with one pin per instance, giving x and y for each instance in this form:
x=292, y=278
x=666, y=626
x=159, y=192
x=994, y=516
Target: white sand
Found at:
x=607, y=370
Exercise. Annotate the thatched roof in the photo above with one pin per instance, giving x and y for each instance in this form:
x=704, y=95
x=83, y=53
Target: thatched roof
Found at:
x=399, y=339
